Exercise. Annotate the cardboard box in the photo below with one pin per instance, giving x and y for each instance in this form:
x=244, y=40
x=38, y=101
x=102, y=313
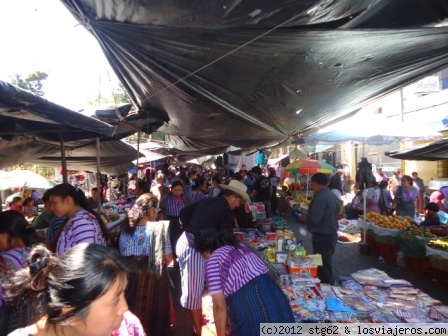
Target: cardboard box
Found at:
x=308, y=269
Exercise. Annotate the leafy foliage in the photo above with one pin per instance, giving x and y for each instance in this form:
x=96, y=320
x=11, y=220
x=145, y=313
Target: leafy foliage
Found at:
x=33, y=82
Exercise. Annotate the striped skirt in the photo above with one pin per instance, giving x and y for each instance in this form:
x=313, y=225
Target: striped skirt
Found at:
x=192, y=273
x=258, y=301
x=149, y=298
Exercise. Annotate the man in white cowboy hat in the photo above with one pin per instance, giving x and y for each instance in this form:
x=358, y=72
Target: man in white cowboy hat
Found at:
x=214, y=213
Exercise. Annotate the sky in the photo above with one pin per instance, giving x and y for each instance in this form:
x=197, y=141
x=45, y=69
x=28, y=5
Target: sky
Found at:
x=42, y=35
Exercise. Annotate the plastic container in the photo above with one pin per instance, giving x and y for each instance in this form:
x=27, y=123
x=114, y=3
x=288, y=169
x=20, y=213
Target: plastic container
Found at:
x=271, y=236
x=280, y=245
x=239, y=235
x=308, y=269
x=281, y=257
x=270, y=254
x=267, y=225
x=300, y=252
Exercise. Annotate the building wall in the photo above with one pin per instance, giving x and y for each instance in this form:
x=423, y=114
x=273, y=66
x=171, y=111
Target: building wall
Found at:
x=410, y=105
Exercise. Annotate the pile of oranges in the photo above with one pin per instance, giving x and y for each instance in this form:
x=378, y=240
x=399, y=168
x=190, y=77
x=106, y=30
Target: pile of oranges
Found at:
x=388, y=222
x=303, y=200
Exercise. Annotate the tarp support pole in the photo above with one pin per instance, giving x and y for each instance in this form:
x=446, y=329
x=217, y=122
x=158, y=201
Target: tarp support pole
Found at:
x=401, y=105
x=98, y=175
x=63, y=159
x=138, y=154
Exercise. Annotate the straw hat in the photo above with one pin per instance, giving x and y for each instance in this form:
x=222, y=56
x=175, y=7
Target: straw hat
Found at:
x=238, y=188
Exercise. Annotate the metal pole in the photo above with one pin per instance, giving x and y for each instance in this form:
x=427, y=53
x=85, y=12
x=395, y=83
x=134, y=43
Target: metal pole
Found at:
x=402, y=105
x=364, y=197
x=98, y=175
x=64, y=161
x=138, y=153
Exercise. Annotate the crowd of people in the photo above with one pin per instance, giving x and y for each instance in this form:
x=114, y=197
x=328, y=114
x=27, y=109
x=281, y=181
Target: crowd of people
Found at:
x=402, y=195
x=186, y=224
x=182, y=221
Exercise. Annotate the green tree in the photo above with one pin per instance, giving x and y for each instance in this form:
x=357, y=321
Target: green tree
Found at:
x=120, y=95
x=33, y=82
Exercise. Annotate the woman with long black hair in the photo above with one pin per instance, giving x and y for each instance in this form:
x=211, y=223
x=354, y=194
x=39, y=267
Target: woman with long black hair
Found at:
x=83, y=224
x=80, y=292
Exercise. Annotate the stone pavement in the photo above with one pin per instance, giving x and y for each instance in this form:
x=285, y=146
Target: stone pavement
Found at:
x=346, y=261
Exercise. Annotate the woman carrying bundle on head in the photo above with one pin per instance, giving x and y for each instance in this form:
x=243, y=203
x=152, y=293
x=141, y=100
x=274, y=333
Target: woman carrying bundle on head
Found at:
x=146, y=243
x=78, y=293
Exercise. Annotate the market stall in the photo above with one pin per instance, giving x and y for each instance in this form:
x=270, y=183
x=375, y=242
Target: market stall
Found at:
x=423, y=250
x=368, y=296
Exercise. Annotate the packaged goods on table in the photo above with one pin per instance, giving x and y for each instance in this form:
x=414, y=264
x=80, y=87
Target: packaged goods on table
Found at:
x=374, y=298
x=371, y=296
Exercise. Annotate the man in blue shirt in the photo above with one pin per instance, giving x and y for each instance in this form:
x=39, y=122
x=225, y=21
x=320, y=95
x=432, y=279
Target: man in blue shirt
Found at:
x=322, y=222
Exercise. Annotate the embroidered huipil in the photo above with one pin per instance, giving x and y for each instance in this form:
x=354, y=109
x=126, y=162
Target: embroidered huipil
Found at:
x=137, y=244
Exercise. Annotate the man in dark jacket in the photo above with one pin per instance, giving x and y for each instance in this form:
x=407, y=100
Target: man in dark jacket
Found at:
x=322, y=222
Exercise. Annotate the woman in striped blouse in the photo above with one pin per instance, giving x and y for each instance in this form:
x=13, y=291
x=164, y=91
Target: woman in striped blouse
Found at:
x=83, y=224
x=240, y=285
x=170, y=207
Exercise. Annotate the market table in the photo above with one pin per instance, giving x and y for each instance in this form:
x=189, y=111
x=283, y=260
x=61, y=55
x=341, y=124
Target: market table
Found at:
x=368, y=296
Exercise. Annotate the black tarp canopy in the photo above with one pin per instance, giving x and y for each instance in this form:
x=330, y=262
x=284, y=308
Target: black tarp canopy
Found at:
x=253, y=73
x=115, y=158
x=432, y=152
x=31, y=129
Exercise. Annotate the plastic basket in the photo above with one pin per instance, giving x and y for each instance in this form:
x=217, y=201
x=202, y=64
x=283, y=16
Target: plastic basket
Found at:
x=412, y=246
x=417, y=266
x=387, y=240
x=389, y=253
x=438, y=263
